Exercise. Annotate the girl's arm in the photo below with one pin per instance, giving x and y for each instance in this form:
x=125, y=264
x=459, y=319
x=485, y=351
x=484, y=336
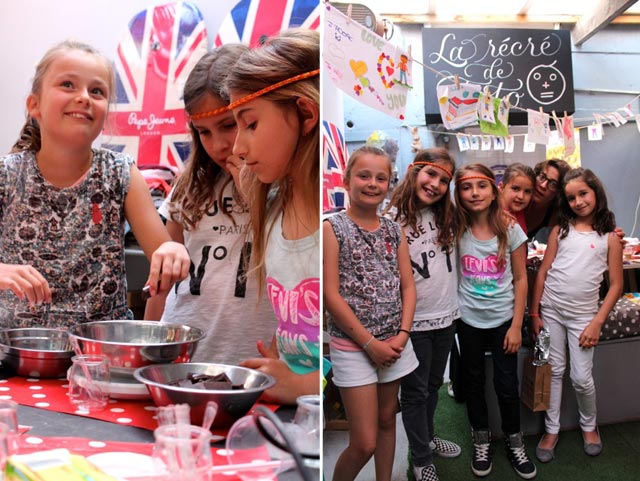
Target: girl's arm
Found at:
x=513, y=339
x=408, y=288
x=541, y=277
x=591, y=334
x=154, y=307
x=169, y=260
x=381, y=353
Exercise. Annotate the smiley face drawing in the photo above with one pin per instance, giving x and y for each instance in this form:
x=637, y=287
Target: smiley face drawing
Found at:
x=546, y=84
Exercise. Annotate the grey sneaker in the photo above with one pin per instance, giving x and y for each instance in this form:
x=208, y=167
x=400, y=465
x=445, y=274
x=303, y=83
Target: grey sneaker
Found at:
x=518, y=456
x=444, y=448
x=481, y=461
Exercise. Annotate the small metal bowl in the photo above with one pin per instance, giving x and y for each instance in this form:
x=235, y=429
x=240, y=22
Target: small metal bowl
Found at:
x=232, y=404
x=133, y=344
x=36, y=352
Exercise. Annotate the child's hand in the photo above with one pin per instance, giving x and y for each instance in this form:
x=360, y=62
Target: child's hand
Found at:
x=169, y=264
x=25, y=281
x=383, y=354
x=536, y=325
x=512, y=340
x=270, y=351
x=590, y=336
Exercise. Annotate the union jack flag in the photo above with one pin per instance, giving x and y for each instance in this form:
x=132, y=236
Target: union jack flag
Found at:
x=250, y=20
x=153, y=61
x=334, y=159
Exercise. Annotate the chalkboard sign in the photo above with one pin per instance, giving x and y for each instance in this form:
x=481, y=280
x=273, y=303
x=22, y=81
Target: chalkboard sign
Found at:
x=535, y=65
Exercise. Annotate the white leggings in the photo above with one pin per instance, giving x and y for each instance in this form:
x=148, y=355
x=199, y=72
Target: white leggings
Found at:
x=565, y=329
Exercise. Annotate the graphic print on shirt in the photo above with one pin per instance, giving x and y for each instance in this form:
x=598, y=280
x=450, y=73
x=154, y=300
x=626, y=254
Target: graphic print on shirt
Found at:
x=226, y=236
x=484, y=274
x=298, y=314
x=420, y=261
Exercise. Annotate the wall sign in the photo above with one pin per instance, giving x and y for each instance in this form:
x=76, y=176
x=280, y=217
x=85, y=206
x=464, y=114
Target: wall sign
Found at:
x=533, y=65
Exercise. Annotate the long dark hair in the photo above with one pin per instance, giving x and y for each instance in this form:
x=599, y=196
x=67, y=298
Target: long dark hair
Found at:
x=604, y=221
x=407, y=204
x=193, y=191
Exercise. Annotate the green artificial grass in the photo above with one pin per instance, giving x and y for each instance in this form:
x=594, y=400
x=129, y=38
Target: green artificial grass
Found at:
x=619, y=461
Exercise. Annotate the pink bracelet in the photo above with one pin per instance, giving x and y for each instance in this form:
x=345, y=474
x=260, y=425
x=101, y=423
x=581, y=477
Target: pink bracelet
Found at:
x=534, y=315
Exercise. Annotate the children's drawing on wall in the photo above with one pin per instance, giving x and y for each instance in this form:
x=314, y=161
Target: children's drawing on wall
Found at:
x=595, y=131
x=557, y=148
x=366, y=66
x=458, y=104
x=538, y=127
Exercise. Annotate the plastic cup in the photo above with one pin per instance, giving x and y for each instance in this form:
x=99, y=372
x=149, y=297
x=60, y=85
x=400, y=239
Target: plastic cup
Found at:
x=89, y=378
x=183, y=451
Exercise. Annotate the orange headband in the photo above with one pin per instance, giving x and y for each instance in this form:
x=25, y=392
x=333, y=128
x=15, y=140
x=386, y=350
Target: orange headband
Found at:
x=482, y=177
x=432, y=164
x=248, y=98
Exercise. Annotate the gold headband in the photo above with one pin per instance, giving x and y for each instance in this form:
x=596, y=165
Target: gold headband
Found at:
x=481, y=177
x=250, y=97
x=432, y=164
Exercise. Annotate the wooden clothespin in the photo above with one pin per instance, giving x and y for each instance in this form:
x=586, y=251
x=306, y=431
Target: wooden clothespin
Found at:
x=349, y=10
x=409, y=52
x=541, y=110
x=456, y=79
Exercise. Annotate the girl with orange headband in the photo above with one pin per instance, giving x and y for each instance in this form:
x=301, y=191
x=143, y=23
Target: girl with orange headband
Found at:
x=492, y=294
x=275, y=94
x=423, y=206
x=206, y=212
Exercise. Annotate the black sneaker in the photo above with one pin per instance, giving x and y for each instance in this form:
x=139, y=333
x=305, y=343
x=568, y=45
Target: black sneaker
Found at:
x=428, y=474
x=481, y=462
x=518, y=456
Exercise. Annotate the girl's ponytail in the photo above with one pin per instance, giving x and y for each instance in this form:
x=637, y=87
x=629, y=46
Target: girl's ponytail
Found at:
x=29, y=138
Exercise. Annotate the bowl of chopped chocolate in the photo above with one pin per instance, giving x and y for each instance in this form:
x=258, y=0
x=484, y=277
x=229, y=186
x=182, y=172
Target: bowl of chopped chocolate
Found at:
x=235, y=389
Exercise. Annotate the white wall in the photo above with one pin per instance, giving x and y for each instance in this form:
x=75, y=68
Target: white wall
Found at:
x=31, y=27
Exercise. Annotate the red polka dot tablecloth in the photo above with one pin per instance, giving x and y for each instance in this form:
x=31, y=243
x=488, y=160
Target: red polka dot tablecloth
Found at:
x=51, y=394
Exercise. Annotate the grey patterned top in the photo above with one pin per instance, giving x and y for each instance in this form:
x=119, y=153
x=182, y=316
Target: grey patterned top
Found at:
x=73, y=236
x=369, y=275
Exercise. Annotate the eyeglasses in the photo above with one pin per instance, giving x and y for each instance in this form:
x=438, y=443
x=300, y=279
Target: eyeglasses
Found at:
x=552, y=183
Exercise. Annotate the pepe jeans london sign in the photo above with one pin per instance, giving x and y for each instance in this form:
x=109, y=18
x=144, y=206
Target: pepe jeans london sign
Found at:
x=534, y=66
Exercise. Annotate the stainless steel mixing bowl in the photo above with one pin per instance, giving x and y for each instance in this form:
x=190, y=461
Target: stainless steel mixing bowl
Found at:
x=133, y=344
x=232, y=404
x=36, y=352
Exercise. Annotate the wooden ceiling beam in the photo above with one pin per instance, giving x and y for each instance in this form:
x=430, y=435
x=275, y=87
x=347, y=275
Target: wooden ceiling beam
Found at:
x=602, y=14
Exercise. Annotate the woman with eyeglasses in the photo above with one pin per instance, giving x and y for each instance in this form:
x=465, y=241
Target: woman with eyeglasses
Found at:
x=541, y=214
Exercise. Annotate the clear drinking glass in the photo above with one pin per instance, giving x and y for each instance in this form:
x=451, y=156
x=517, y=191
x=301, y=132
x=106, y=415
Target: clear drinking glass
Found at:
x=247, y=447
x=183, y=450
x=89, y=378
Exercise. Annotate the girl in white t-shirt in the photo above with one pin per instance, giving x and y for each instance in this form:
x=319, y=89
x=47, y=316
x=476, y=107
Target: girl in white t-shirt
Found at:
x=422, y=204
x=206, y=212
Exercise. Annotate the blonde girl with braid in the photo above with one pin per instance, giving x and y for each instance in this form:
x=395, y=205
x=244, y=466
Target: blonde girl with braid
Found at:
x=63, y=204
